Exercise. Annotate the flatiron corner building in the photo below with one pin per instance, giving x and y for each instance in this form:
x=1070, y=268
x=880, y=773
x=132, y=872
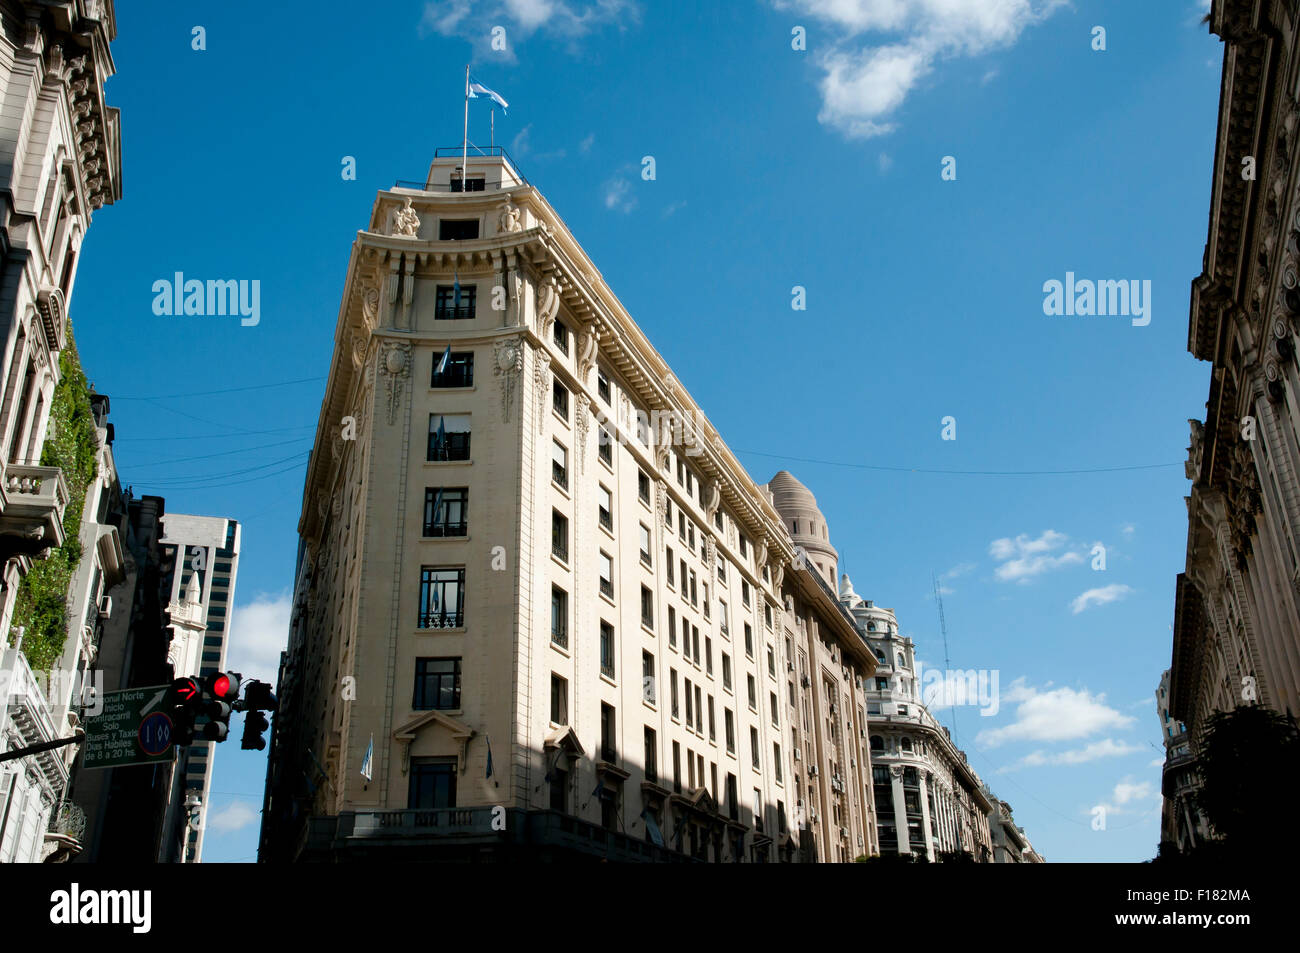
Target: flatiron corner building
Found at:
x=540, y=609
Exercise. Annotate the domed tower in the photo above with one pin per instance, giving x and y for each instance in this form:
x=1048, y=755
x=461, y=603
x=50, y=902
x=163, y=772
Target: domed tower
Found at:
x=805, y=523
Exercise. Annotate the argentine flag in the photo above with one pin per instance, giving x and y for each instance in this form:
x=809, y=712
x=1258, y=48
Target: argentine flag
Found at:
x=368, y=762
x=476, y=88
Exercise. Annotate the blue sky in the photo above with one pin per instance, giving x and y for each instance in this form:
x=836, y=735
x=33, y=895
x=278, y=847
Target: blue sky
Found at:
x=774, y=168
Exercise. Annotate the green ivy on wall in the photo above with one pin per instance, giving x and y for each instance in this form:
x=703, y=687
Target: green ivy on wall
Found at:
x=41, y=605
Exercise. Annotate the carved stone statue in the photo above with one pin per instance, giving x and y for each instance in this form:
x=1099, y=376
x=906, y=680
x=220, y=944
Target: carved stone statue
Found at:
x=405, y=222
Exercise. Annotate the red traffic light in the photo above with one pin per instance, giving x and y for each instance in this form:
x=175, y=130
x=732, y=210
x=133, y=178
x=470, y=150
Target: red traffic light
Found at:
x=186, y=692
x=221, y=686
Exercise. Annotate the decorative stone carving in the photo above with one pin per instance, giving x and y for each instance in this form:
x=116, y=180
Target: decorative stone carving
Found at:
x=661, y=500
x=370, y=305
x=360, y=344
x=336, y=506
x=511, y=219
x=396, y=366
x=710, y=554
x=1195, y=451
x=760, y=554
x=778, y=575
x=583, y=422
x=548, y=305
x=588, y=349
x=542, y=380
x=509, y=356
x=406, y=223
x=713, y=499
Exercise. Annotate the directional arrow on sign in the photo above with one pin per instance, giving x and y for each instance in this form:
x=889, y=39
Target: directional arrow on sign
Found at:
x=153, y=702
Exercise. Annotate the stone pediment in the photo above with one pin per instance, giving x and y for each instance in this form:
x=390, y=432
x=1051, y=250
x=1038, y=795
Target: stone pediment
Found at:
x=407, y=733
x=564, y=739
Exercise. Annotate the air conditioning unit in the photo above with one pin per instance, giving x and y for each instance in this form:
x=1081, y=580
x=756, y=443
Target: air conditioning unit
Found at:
x=844, y=832
x=789, y=666
x=862, y=732
x=105, y=606
x=804, y=681
x=796, y=754
x=814, y=817
x=812, y=771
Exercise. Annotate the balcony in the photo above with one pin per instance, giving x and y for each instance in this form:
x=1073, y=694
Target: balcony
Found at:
x=442, y=619
x=32, y=501
x=30, y=716
x=444, y=529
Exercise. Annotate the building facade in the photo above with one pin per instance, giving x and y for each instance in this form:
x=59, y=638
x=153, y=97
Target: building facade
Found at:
x=929, y=801
x=539, y=604
x=829, y=666
x=59, y=161
x=1181, y=821
x=1237, y=604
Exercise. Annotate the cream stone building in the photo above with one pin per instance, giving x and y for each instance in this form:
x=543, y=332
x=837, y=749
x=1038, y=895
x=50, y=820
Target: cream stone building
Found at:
x=928, y=799
x=1237, y=605
x=540, y=607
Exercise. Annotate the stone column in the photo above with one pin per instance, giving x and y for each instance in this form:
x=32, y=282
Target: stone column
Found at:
x=925, y=815
x=900, y=810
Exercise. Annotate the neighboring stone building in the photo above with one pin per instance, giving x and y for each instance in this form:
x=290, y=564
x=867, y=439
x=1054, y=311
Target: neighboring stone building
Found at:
x=1181, y=821
x=58, y=162
x=1237, y=605
x=1010, y=845
x=537, y=597
x=828, y=666
x=928, y=799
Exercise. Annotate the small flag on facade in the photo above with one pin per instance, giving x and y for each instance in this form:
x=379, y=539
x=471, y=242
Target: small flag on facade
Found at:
x=367, y=763
x=442, y=364
x=489, y=764
x=455, y=287
x=656, y=836
x=478, y=88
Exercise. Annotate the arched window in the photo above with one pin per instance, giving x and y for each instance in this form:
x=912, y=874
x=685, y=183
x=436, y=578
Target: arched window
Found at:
x=907, y=744
x=871, y=627
x=877, y=743
x=880, y=657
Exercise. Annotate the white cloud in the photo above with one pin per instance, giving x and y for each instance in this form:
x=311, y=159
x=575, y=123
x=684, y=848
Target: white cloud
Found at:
x=474, y=19
x=1059, y=714
x=618, y=195
x=1099, y=597
x=674, y=208
x=885, y=161
x=1106, y=748
x=233, y=817
x=585, y=146
x=866, y=82
x=259, y=631
x=1126, y=791
x=1024, y=558
x=1157, y=763
x=1128, y=529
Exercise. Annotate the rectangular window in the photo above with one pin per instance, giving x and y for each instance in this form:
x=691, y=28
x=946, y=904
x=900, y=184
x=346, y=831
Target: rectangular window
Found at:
x=560, y=464
x=753, y=748
x=602, y=385
x=442, y=595
x=560, y=398
x=699, y=710
x=648, y=677
x=672, y=627
x=457, y=369
x=645, y=544
x=690, y=705
x=559, y=700
x=472, y=184
x=559, y=617
x=776, y=760
x=729, y=726
x=722, y=571
x=708, y=655
x=606, y=649
x=776, y=720
x=713, y=731
x=744, y=592
x=561, y=337
x=647, y=608
x=672, y=690
x=695, y=638
x=605, y=446
x=726, y=670
x=767, y=614
x=437, y=684
x=445, y=510
x=677, y=767
x=643, y=486
x=651, y=756
x=694, y=590
x=669, y=566
x=457, y=229
x=606, y=574
x=771, y=662
x=743, y=545
x=455, y=302
x=448, y=437
x=608, y=737
x=433, y=784
x=559, y=535
x=749, y=640
x=606, y=506
x=753, y=693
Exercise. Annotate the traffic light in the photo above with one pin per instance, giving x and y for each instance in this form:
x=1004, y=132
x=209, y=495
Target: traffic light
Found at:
x=257, y=699
x=220, y=691
x=254, y=724
x=184, y=700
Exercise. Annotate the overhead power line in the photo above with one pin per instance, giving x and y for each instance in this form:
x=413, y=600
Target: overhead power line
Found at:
x=870, y=466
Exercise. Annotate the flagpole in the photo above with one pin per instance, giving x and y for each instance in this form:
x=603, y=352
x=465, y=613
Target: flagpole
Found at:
x=464, y=161
x=493, y=140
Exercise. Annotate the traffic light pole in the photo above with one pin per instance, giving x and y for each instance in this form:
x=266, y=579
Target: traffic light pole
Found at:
x=42, y=746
